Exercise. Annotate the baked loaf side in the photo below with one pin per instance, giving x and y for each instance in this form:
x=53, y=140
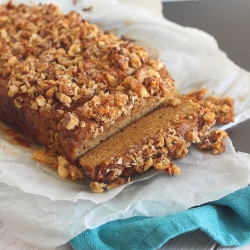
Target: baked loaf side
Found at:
x=151, y=142
x=70, y=85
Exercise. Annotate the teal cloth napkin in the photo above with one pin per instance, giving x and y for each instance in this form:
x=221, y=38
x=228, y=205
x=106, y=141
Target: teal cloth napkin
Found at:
x=226, y=220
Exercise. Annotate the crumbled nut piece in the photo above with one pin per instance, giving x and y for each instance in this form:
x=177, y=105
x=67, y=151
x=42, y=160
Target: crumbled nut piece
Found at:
x=12, y=60
x=106, y=107
x=111, y=80
x=13, y=91
x=157, y=65
x=198, y=95
x=222, y=107
x=73, y=122
x=41, y=101
x=149, y=163
x=206, y=144
x=192, y=137
x=3, y=33
x=18, y=102
x=161, y=141
x=74, y=49
x=64, y=99
x=114, y=173
x=97, y=187
x=217, y=135
x=219, y=147
x=128, y=165
x=75, y=172
x=144, y=73
x=138, y=88
x=115, y=183
x=180, y=150
x=173, y=169
x=34, y=106
x=23, y=89
x=174, y=101
x=209, y=116
x=135, y=60
x=119, y=161
x=83, y=124
x=120, y=100
x=206, y=127
x=63, y=167
x=161, y=163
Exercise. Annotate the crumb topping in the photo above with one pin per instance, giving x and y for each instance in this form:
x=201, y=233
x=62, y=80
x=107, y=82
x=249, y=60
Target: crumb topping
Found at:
x=215, y=141
x=56, y=62
x=51, y=58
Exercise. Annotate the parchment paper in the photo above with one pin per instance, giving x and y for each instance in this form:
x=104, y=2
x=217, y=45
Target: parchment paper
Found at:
x=47, y=211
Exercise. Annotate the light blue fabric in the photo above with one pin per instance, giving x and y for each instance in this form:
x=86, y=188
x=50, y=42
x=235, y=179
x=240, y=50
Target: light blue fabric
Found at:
x=227, y=221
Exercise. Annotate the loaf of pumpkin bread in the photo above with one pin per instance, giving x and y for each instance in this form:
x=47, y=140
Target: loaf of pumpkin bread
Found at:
x=100, y=106
x=69, y=85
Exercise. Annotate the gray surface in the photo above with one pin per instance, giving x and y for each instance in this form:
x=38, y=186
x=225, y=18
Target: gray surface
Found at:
x=229, y=22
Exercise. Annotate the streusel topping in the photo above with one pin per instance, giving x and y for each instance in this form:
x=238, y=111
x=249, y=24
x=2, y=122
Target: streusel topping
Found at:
x=54, y=60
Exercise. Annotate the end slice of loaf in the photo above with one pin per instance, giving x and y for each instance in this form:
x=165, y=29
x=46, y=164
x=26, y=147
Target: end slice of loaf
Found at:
x=151, y=142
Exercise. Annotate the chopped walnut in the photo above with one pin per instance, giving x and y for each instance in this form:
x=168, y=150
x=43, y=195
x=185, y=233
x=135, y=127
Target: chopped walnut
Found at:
x=13, y=91
x=149, y=163
x=219, y=147
x=218, y=135
x=34, y=106
x=144, y=73
x=198, y=95
x=209, y=116
x=73, y=121
x=63, y=167
x=41, y=101
x=75, y=172
x=135, y=60
x=174, y=101
x=18, y=102
x=173, y=169
x=222, y=107
x=74, y=49
x=206, y=144
x=215, y=141
x=64, y=99
x=161, y=163
x=97, y=187
x=138, y=88
x=192, y=137
x=116, y=183
x=112, y=81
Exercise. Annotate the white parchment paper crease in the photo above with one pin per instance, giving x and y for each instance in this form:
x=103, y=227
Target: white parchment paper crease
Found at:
x=47, y=211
